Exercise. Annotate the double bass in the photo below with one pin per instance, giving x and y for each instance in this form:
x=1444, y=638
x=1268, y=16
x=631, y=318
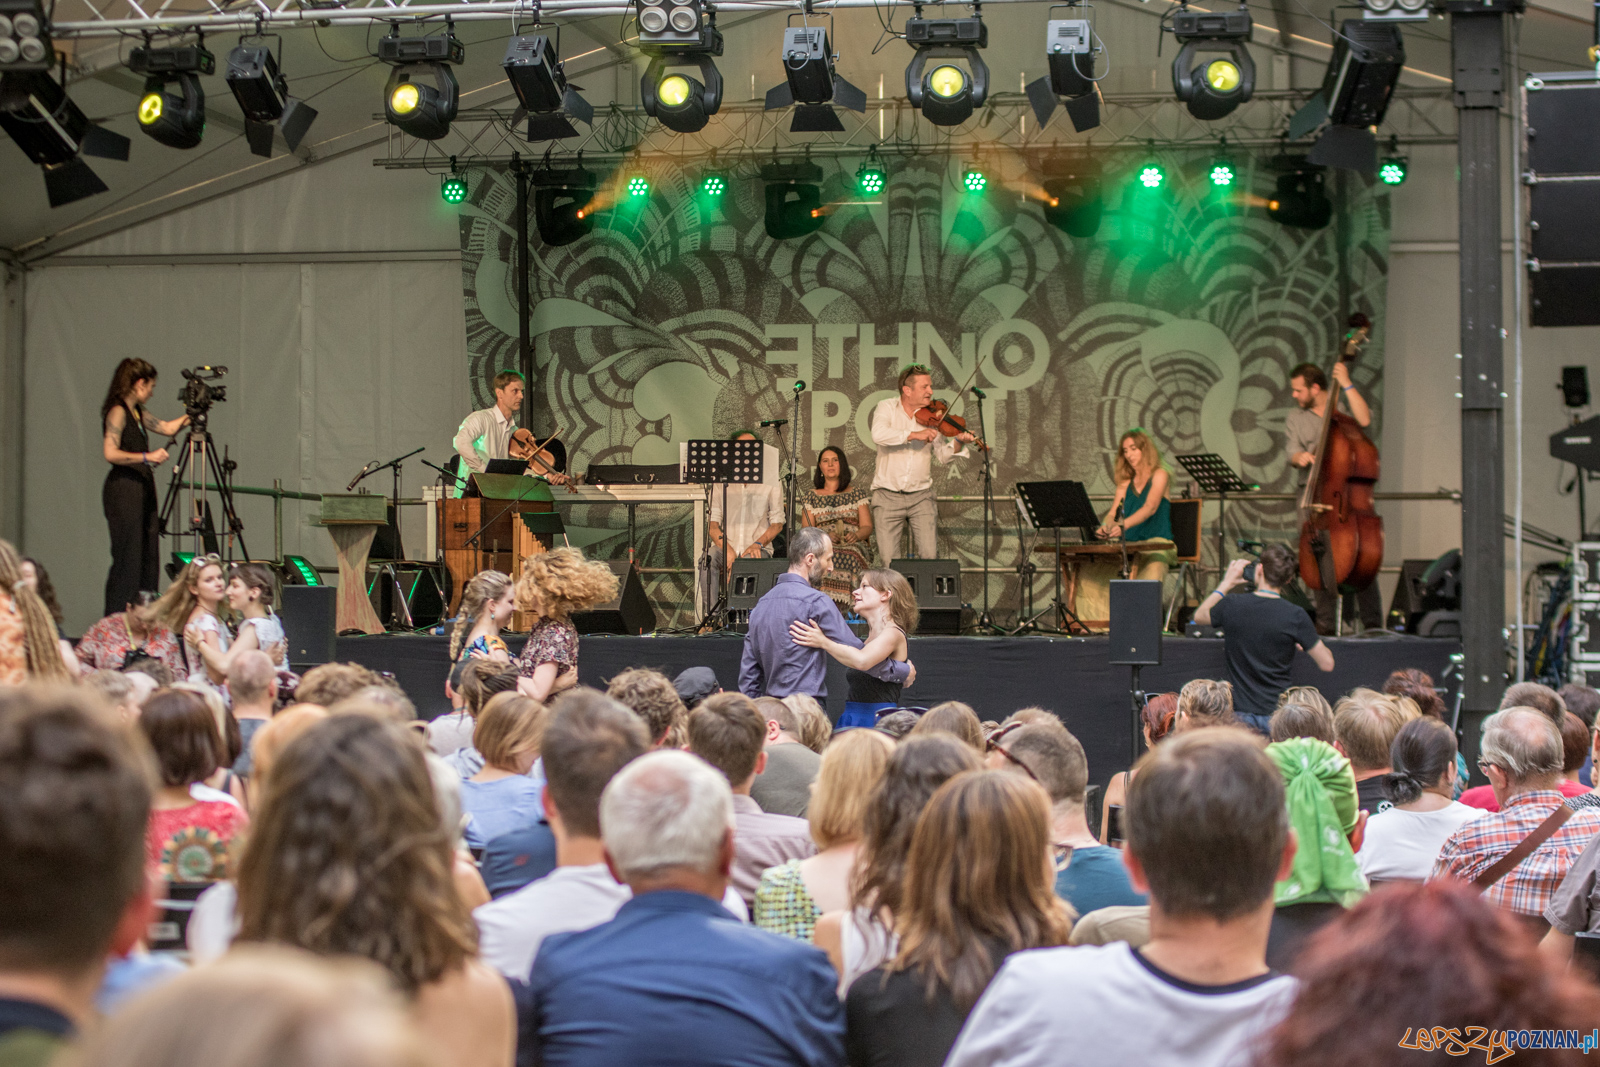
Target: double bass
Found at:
x=1336, y=506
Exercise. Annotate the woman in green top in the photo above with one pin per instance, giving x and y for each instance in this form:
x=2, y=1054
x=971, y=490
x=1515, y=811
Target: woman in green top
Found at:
x=1142, y=496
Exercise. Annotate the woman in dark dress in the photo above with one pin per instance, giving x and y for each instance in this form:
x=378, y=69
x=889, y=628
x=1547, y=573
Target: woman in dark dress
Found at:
x=979, y=885
x=129, y=495
x=883, y=598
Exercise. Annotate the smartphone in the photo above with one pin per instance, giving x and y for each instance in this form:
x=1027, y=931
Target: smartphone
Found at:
x=1113, y=824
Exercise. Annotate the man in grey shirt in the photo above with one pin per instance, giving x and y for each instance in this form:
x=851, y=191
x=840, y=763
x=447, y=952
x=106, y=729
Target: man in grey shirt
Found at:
x=1309, y=387
x=784, y=785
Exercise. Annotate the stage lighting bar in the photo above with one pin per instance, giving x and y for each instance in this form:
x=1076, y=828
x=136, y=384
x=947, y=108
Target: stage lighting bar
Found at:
x=422, y=95
x=946, y=94
x=25, y=37
x=811, y=84
x=172, y=109
x=262, y=93
x=1069, y=52
x=51, y=130
x=535, y=72
x=1214, y=88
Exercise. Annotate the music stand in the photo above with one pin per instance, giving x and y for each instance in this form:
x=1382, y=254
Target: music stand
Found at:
x=1213, y=475
x=1058, y=504
x=709, y=462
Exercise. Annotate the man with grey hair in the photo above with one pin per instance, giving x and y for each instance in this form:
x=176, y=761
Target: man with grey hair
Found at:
x=253, y=686
x=773, y=665
x=1521, y=754
x=674, y=978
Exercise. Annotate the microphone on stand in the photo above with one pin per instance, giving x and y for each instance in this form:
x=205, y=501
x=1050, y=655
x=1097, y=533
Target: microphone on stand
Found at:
x=364, y=472
x=774, y=422
x=979, y=393
x=800, y=386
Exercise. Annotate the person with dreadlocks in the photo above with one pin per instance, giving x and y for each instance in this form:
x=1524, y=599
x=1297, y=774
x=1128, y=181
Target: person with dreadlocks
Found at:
x=29, y=647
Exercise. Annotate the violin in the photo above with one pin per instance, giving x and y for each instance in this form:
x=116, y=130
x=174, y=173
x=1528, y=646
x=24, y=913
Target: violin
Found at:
x=1337, y=505
x=541, y=461
x=936, y=416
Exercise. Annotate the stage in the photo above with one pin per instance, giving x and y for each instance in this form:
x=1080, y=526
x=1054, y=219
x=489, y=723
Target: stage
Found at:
x=996, y=675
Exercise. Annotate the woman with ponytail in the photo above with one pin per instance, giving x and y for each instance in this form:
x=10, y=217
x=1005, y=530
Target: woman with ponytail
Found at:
x=129, y=495
x=1402, y=843
x=29, y=648
x=486, y=606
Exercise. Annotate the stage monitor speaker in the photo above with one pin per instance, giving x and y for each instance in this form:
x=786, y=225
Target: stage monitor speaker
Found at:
x=750, y=579
x=1135, y=622
x=936, y=583
x=1406, y=606
x=629, y=613
x=308, y=613
x=1185, y=516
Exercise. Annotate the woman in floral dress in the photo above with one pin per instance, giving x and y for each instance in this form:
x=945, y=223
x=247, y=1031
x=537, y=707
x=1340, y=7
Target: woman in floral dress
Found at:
x=843, y=514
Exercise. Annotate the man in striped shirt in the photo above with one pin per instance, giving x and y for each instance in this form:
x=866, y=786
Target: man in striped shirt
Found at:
x=1521, y=754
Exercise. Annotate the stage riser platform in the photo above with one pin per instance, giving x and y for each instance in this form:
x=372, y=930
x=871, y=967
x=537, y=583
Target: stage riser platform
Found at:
x=996, y=675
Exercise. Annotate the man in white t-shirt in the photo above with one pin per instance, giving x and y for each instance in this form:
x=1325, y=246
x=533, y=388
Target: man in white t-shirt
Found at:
x=1207, y=836
x=902, y=484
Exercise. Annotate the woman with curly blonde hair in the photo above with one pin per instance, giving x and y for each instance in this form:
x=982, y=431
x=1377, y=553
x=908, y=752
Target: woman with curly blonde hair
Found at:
x=29, y=647
x=553, y=585
x=191, y=609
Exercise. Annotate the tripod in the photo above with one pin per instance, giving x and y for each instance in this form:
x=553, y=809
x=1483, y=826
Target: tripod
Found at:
x=986, y=619
x=198, y=457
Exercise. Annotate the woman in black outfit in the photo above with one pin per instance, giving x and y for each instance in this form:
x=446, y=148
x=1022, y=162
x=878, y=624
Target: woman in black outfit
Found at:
x=129, y=495
x=979, y=885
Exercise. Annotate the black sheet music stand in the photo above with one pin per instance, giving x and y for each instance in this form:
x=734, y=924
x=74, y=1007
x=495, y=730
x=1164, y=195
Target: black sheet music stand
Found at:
x=709, y=462
x=1213, y=475
x=1054, y=505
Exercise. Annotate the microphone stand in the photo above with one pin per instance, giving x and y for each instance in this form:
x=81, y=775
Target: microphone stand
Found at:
x=985, y=620
x=794, y=457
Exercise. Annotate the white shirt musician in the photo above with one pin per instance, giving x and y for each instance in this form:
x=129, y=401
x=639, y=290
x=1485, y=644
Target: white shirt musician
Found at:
x=486, y=434
x=902, y=485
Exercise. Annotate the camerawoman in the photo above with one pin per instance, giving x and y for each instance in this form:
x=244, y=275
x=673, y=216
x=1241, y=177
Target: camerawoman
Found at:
x=1261, y=632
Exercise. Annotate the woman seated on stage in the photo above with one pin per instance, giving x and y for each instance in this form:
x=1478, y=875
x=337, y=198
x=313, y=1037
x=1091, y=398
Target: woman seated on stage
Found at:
x=486, y=606
x=553, y=585
x=841, y=512
x=189, y=607
x=1142, y=498
x=249, y=594
x=885, y=600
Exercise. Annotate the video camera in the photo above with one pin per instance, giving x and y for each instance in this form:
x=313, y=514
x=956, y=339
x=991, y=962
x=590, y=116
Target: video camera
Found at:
x=1252, y=549
x=197, y=394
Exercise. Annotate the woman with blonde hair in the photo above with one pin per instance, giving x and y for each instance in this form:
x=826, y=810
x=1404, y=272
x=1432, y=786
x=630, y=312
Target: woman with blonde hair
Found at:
x=884, y=598
x=29, y=645
x=249, y=594
x=816, y=729
x=501, y=797
x=348, y=856
x=979, y=885
x=1141, y=502
x=553, y=585
x=189, y=607
x=487, y=602
x=791, y=898
x=956, y=719
x=1205, y=702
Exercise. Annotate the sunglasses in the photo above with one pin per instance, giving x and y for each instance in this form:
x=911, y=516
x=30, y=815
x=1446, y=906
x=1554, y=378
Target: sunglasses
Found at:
x=993, y=745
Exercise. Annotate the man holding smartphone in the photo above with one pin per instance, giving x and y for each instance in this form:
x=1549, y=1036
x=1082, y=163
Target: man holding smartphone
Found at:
x=1261, y=632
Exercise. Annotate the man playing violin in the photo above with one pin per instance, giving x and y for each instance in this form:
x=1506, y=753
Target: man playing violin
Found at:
x=902, y=486
x=493, y=434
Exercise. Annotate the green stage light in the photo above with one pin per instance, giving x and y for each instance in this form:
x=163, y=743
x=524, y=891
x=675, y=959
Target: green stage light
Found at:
x=1393, y=170
x=1151, y=176
x=297, y=570
x=638, y=185
x=974, y=180
x=1222, y=173
x=713, y=185
x=871, y=178
x=453, y=187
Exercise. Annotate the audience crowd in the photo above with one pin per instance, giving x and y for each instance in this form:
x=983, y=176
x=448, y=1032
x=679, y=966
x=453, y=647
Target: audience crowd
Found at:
x=207, y=859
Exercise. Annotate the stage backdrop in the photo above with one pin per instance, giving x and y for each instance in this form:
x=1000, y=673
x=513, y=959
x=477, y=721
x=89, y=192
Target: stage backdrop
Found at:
x=679, y=318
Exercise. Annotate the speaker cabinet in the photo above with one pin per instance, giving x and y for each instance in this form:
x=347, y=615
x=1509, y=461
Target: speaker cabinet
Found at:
x=308, y=613
x=1564, y=198
x=936, y=583
x=629, y=613
x=1135, y=622
x=747, y=583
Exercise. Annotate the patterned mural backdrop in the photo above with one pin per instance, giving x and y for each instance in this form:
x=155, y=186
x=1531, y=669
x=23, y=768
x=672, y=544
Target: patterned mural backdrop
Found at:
x=680, y=318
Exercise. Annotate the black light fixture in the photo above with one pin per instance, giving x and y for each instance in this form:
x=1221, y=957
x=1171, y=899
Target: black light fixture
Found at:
x=794, y=199
x=422, y=95
x=945, y=93
x=680, y=37
x=1213, y=88
x=1073, y=201
x=25, y=36
x=1300, y=198
x=262, y=93
x=1070, y=47
x=54, y=132
x=1368, y=56
x=533, y=67
x=561, y=202
x=172, y=109
x=811, y=83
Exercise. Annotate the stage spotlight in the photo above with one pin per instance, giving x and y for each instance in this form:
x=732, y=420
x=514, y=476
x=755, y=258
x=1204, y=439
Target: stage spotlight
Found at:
x=453, y=187
x=24, y=36
x=551, y=105
x=410, y=102
x=262, y=93
x=811, y=83
x=974, y=180
x=1301, y=200
x=872, y=177
x=54, y=132
x=679, y=38
x=1392, y=171
x=1222, y=172
x=638, y=185
x=561, y=200
x=947, y=95
x=1070, y=52
x=794, y=199
x=1151, y=176
x=713, y=185
x=1212, y=89
x=1075, y=204
x=1368, y=56
x=173, y=107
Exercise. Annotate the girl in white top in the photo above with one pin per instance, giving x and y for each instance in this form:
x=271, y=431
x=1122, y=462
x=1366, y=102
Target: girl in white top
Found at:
x=249, y=594
x=189, y=607
x=1402, y=843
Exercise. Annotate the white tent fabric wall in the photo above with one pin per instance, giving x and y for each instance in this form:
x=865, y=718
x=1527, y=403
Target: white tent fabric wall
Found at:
x=332, y=365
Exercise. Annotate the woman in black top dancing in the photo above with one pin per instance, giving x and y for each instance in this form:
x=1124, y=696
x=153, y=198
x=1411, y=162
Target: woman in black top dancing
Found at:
x=886, y=601
x=129, y=495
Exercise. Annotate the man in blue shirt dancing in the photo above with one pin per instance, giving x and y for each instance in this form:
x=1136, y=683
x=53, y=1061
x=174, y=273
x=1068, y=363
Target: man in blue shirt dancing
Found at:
x=773, y=665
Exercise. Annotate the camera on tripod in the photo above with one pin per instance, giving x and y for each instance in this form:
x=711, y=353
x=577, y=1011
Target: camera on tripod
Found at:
x=197, y=394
